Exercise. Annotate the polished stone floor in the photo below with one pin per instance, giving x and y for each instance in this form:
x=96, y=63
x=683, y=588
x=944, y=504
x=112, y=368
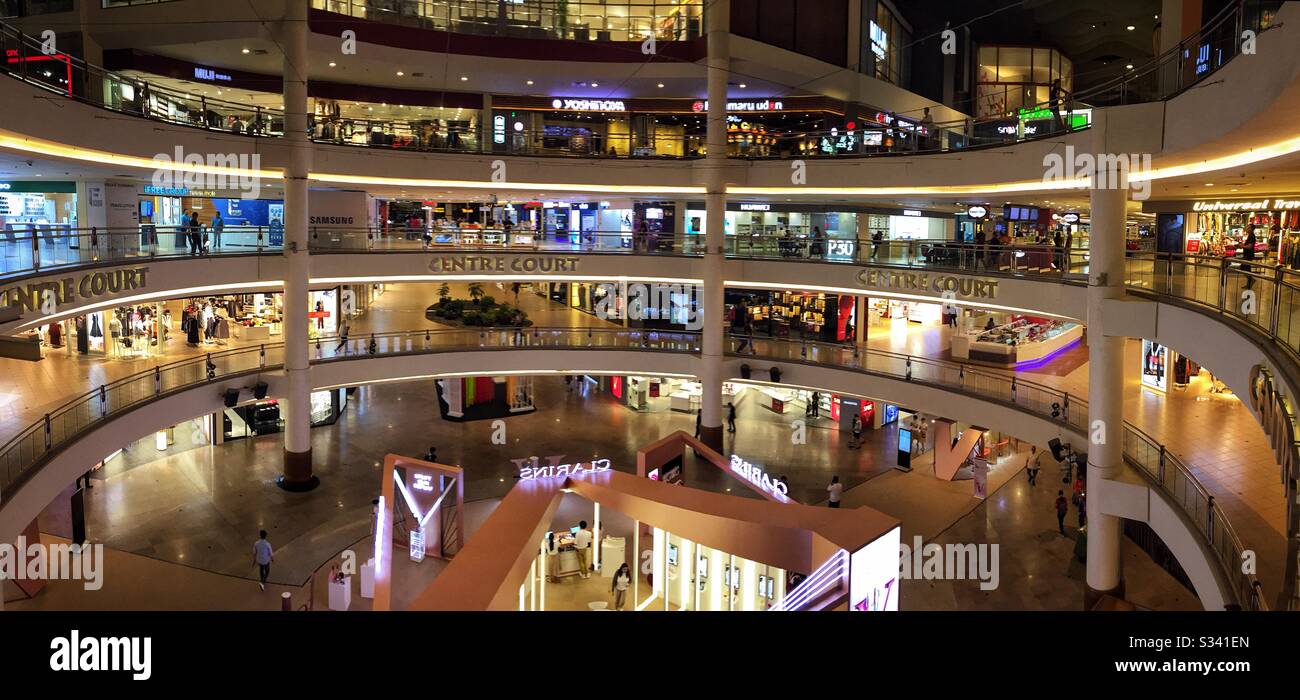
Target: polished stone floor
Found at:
x=1240, y=472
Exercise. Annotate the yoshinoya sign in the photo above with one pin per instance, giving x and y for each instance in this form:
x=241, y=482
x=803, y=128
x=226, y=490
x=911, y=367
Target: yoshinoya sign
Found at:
x=969, y=287
x=756, y=476
x=503, y=263
x=92, y=285
x=572, y=104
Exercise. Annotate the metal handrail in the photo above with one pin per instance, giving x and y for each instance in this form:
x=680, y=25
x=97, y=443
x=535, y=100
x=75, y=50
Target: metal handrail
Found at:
x=27, y=452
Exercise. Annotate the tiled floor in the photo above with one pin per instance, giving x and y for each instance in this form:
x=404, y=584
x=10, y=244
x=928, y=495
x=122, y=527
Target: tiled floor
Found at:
x=1239, y=471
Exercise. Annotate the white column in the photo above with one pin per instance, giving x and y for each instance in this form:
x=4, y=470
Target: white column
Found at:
x=297, y=475
x=1105, y=390
x=718, y=18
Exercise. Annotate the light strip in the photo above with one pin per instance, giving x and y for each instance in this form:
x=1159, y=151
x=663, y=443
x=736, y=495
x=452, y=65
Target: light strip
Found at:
x=410, y=502
x=485, y=277
x=830, y=570
x=16, y=142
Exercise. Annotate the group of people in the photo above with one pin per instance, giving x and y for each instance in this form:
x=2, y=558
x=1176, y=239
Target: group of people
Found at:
x=191, y=235
x=990, y=250
x=1078, y=496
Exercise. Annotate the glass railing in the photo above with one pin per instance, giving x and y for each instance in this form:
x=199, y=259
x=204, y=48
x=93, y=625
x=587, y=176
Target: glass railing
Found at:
x=51, y=247
x=24, y=454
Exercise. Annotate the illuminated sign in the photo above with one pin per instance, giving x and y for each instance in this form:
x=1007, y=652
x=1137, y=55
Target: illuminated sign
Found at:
x=879, y=41
x=70, y=289
x=423, y=482
x=209, y=74
x=1070, y=218
x=924, y=282
x=767, y=105
x=166, y=191
x=549, y=471
x=911, y=212
x=581, y=105
x=873, y=574
x=758, y=477
x=977, y=212
x=499, y=129
x=417, y=544
x=1249, y=205
x=746, y=206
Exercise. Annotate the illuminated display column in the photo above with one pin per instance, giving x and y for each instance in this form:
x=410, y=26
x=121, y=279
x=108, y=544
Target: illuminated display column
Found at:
x=715, y=203
x=297, y=475
x=1105, y=389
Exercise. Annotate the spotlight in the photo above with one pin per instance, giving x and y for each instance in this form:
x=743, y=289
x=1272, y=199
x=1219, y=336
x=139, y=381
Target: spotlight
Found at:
x=259, y=390
x=232, y=397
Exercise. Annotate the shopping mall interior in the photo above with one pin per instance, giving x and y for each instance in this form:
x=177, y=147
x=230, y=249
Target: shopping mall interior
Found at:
x=651, y=305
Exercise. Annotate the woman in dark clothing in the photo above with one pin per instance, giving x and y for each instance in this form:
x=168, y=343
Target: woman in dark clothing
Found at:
x=1248, y=253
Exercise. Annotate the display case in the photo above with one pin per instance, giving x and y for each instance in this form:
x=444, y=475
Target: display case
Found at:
x=1017, y=342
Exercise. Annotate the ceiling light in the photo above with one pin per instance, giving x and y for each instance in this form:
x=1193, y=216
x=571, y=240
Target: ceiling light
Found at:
x=1129, y=66
x=1130, y=27
x=742, y=85
x=530, y=82
x=661, y=84
x=400, y=74
x=463, y=78
x=332, y=64
x=1209, y=184
x=246, y=51
x=595, y=84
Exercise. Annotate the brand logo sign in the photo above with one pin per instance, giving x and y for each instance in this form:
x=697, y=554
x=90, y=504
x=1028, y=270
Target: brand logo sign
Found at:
x=756, y=476
x=1071, y=218
x=977, y=212
x=1252, y=205
x=768, y=105
x=968, y=287
x=747, y=206
x=529, y=469
x=581, y=105
x=209, y=74
x=503, y=263
x=70, y=289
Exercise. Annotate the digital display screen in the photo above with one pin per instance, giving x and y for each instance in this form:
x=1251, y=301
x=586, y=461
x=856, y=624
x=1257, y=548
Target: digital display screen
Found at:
x=904, y=440
x=654, y=213
x=873, y=574
x=574, y=530
x=672, y=555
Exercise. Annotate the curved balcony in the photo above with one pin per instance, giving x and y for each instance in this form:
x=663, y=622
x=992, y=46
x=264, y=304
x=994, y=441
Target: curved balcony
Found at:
x=36, y=465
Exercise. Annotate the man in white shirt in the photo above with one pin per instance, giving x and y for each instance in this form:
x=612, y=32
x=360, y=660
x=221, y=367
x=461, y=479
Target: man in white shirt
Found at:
x=835, y=490
x=582, y=543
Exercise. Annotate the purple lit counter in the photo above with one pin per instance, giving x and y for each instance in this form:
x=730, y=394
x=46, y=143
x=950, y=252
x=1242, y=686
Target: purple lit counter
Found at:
x=1024, y=351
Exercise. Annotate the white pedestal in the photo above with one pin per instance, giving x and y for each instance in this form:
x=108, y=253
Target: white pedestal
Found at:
x=613, y=553
x=368, y=579
x=341, y=594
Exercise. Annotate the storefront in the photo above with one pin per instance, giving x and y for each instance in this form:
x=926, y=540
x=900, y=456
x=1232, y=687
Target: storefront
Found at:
x=819, y=232
x=46, y=209
x=164, y=212
x=816, y=316
x=1022, y=342
x=1217, y=227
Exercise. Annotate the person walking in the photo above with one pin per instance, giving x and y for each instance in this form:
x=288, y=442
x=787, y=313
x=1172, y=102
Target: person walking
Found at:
x=981, y=242
x=876, y=239
x=1032, y=464
x=343, y=337
x=856, y=442
x=622, y=579
x=699, y=422
x=1062, y=508
x=263, y=555
x=815, y=405
x=739, y=321
x=731, y=417
x=1248, y=254
x=431, y=455
x=194, y=231
x=218, y=226
x=834, y=491
x=582, y=545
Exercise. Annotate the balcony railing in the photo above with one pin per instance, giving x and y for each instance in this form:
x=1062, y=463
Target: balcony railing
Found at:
x=22, y=456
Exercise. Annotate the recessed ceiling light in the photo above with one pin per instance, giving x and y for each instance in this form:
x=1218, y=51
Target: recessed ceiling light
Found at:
x=246, y=51
x=742, y=85
x=530, y=82
x=400, y=74
x=332, y=64
x=463, y=78
x=661, y=84
x=595, y=84
x=1130, y=27
x=1129, y=66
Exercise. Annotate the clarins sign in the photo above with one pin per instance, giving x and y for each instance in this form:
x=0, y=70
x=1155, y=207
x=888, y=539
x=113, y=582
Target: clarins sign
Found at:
x=33, y=297
x=756, y=476
x=529, y=468
x=503, y=263
x=967, y=287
